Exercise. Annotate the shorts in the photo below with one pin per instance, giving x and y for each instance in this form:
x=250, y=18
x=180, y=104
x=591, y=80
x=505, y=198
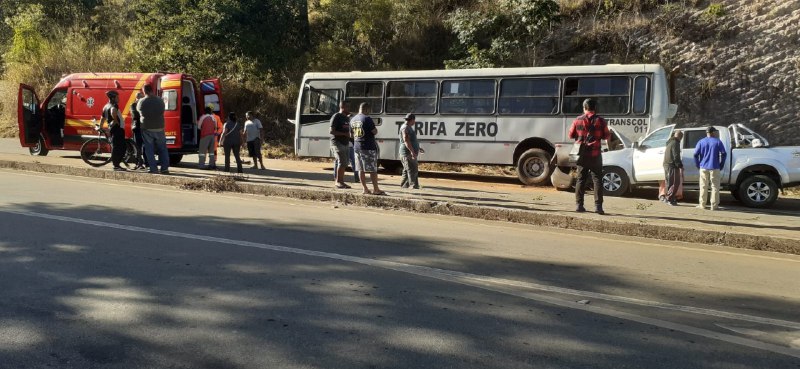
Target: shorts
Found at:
x=367, y=161
x=254, y=148
x=340, y=152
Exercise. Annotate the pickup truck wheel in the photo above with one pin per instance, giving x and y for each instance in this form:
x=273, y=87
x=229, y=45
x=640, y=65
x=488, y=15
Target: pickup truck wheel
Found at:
x=615, y=181
x=533, y=167
x=758, y=191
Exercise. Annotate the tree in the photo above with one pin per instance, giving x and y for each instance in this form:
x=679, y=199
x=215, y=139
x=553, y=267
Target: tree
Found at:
x=239, y=39
x=501, y=32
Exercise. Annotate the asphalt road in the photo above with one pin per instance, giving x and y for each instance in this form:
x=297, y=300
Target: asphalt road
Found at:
x=99, y=274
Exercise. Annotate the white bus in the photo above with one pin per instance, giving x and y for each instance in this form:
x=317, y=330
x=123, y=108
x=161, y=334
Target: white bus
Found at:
x=503, y=116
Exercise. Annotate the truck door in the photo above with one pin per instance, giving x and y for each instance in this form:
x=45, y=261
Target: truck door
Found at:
x=648, y=158
x=29, y=118
x=690, y=139
x=211, y=89
x=171, y=92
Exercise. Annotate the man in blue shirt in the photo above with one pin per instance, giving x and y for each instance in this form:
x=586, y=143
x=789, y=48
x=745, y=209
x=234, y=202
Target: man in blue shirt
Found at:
x=709, y=157
x=363, y=130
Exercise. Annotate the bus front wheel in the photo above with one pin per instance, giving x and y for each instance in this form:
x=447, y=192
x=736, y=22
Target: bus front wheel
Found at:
x=393, y=166
x=533, y=167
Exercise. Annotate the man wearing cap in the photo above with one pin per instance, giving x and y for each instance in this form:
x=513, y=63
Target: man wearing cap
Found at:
x=587, y=130
x=409, y=151
x=709, y=157
x=208, y=130
x=116, y=127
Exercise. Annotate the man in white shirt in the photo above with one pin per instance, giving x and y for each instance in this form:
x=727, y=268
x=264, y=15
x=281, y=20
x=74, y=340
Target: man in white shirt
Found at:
x=253, y=131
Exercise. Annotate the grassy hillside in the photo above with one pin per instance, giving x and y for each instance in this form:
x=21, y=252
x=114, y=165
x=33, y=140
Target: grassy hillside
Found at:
x=738, y=61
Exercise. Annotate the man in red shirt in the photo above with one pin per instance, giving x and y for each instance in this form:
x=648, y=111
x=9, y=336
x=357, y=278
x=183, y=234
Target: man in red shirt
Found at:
x=587, y=130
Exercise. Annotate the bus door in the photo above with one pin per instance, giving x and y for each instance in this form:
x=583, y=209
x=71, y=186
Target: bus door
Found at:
x=29, y=118
x=211, y=91
x=313, y=127
x=171, y=86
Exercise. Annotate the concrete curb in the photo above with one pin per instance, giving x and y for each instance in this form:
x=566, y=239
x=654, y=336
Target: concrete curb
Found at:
x=532, y=217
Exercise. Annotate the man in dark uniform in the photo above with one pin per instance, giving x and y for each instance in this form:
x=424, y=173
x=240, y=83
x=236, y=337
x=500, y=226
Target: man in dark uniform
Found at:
x=116, y=125
x=673, y=165
x=587, y=130
x=136, y=128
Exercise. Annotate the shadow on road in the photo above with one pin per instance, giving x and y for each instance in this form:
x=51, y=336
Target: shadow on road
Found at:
x=130, y=299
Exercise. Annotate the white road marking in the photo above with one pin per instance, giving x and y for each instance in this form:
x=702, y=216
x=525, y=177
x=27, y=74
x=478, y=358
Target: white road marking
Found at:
x=505, y=286
x=632, y=240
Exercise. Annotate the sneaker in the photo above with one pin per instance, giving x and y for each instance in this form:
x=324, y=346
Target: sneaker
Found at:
x=700, y=207
x=119, y=169
x=580, y=209
x=404, y=186
x=600, y=211
x=164, y=171
x=672, y=203
x=152, y=172
x=415, y=187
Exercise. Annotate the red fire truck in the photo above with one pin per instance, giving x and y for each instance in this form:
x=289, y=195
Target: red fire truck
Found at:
x=64, y=120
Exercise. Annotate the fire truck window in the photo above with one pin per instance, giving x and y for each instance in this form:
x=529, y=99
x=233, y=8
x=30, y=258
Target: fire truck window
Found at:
x=212, y=100
x=170, y=99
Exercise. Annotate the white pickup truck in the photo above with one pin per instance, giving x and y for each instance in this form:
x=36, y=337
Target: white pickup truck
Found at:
x=754, y=171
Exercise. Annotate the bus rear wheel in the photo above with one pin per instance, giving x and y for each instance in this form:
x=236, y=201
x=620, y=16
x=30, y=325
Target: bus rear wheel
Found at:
x=533, y=167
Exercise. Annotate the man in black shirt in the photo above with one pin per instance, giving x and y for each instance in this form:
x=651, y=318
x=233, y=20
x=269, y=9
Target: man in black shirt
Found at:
x=116, y=127
x=340, y=140
x=363, y=129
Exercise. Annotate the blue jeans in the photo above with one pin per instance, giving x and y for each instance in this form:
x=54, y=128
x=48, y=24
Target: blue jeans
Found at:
x=156, y=142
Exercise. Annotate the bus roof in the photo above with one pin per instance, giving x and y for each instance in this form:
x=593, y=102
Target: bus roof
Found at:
x=491, y=72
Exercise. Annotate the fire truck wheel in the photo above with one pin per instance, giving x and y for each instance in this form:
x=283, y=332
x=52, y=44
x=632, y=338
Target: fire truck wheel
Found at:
x=175, y=159
x=39, y=149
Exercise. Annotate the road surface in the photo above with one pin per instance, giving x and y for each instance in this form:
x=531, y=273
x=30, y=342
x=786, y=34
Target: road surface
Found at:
x=100, y=274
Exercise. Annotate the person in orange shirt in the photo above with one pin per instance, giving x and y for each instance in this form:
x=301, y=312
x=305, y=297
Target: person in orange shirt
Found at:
x=212, y=164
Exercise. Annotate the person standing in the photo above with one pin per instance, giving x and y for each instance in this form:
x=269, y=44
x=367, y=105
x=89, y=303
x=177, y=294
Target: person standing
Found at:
x=136, y=128
x=255, y=136
x=340, y=143
x=673, y=165
x=587, y=130
x=231, y=141
x=116, y=127
x=151, y=109
x=709, y=157
x=208, y=134
x=363, y=130
x=409, y=152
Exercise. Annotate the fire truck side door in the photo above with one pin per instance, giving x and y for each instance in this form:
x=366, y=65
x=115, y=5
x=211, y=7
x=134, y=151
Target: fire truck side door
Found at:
x=211, y=89
x=29, y=116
